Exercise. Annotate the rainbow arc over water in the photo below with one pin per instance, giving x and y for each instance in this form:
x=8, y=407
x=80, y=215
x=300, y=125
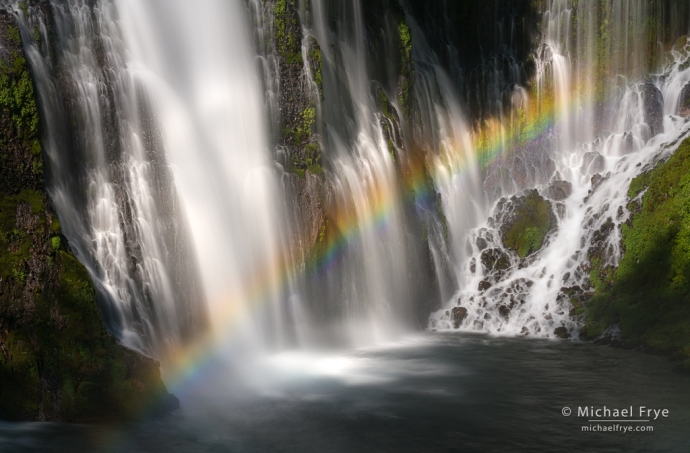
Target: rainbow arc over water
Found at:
x=418, y=170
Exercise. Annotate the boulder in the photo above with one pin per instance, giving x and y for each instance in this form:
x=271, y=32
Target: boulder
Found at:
x=524, y=222
x=653, y=107
x=684, y=101
x=559, y=190
x=561, y=332
x=458, y=314
x=484, y=285
x=592, y=162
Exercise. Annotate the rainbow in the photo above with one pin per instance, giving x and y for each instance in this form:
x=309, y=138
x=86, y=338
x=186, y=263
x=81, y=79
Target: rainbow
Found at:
x=184, y=366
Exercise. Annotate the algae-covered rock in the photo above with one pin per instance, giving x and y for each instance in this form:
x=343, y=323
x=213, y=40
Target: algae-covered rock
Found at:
x=524, y=222
x=495, y=259
x=561, y=332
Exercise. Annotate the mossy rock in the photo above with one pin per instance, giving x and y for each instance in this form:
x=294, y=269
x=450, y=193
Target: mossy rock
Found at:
x=58, y=362
x=524, y=222
x=649, y=292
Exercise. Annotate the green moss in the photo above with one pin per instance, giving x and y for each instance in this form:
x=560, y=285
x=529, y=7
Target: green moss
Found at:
x=322, y=232
x=24, y=7
x=55, y=242
x=17, y=98
x=287, y=40
x=405, y=37
x=55, y=225
x=316, y=170
x=36, y=148
x=13, y=35
x=530, y=222
x=308, y=118
x=404, y=95
x=316, y=64
x=649, y=293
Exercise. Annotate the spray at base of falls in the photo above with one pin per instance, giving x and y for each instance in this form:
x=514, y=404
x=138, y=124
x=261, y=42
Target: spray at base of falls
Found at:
x=594, y=142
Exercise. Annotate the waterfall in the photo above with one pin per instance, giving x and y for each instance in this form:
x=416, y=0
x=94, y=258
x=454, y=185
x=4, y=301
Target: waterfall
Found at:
x=595, y=125
x=164, y=178
x=371, y=285
x=108, y=177
x=171, y=166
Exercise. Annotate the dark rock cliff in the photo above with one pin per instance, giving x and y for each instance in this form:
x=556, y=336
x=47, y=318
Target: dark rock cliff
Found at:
x=58, y=362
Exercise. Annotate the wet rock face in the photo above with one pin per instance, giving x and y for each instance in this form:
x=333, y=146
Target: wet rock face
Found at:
x=627, y=143
x=684, y=102
x=653, y=106
x=524, y=222
x=494, y=260
x=561, y=332
x=458, y=314
x=559, y=190
x=593, y=162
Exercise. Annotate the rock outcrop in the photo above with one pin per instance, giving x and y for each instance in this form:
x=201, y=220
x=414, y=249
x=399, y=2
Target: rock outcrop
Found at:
x=684, y=101
x=653, y=106
x=524, y=221
x=559, y=190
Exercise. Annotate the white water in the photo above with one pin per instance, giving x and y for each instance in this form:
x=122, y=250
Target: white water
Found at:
x=527, y=297
x=372, y=284
x=171, y=137
x=109, y=185
x=165, y=176
x=210, y=108
x=173, y=150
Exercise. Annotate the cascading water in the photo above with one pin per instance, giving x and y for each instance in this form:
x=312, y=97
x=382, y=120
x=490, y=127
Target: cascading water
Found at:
x=163, y=112
x=598, y=135
x=108, y=177
x=209, y=103
x=168, y=121
x=372, y=283
x=169, y=133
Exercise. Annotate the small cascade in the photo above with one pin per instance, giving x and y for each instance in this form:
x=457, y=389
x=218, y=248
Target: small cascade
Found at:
x=568, y=174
